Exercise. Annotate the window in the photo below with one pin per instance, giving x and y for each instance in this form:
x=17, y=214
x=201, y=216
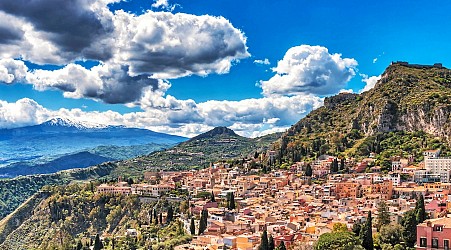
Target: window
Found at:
x=446, y=244
x=423, y=242
x=435, y=243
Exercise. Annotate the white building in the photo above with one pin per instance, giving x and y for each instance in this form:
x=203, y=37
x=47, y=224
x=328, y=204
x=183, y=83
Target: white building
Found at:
x=436, y=168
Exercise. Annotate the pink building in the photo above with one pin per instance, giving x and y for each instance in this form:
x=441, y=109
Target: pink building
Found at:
x=434, y=234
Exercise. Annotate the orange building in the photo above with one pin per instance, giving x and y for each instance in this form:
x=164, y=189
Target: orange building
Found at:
x=346, y=189
x=383, y=189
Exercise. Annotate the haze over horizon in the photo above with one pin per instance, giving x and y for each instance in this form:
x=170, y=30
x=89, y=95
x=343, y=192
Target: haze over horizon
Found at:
x=184, y=67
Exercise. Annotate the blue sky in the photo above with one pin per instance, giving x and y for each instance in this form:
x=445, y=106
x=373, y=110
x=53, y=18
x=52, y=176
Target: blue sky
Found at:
x=183, y=67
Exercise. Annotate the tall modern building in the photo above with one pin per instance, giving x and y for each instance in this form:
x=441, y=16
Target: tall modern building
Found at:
x=436, y=168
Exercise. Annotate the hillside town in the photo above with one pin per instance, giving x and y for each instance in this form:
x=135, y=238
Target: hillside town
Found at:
x=296, y=207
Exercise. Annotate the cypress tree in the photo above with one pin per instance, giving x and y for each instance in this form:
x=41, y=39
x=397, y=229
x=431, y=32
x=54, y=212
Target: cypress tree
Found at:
x=156, y=217
x=334, y=166
x=420, y=211
x=366, y=234
x=79, y=246
x=308, y=170
x=264, y=241
x=212, y=197
x=97, y=243
x=203, y=221
x=161, y=218
x=231, y=201
x=192, y=227
x=282, y=246
x=271, y=243
x=170, y=215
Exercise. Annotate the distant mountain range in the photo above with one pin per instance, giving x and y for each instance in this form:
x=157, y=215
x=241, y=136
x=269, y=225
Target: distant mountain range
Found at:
x=60, y=144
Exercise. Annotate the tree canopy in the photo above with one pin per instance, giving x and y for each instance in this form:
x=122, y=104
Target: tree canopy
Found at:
x=338, y=241
x=383, y=217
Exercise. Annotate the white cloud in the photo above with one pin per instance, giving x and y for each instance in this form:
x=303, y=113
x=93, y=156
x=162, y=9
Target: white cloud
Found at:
x=12, y=70
x=309, y=69
x=160, y=3
x=21, y=113
x=251, y=117
x=377, y=57
x=164, y=5
x=370, y=82
x=169, y=46
x=106, y=82
x=135, y=51
x=346, y=91
x=264, y=61
x=287, y=110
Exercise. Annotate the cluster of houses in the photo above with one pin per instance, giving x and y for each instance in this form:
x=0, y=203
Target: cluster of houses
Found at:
x=296, y=210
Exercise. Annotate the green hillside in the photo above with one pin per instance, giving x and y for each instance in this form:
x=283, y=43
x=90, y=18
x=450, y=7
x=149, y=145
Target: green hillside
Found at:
x=70, y=215
x=408, y=98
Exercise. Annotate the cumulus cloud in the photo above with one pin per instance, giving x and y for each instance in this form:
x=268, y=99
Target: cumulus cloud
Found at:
x=73, y=26
x=106, y=82
x=164, y=5
x=264, y=61
x=370, y=82
x=21, y=113
x=136, y=52
x=281, y=110
x=12, y=70
x=309, y=69
x=163, y=44
x=170, y=45
x=160, y=4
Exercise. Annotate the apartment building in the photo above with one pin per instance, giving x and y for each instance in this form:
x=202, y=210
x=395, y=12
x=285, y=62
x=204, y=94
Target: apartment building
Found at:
x=434, y=234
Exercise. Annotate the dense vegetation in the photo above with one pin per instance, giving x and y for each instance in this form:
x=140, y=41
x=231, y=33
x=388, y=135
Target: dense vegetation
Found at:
x=15, y=191
x=74, y=214
x=405, y=99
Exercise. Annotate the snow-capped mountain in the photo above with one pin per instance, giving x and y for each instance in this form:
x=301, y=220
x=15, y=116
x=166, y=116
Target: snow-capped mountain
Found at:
x=61, y=136
x=65, y=122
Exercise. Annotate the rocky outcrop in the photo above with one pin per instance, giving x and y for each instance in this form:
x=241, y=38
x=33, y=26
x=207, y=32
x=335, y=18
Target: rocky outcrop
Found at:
x=331, y=102
x=432, y=120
